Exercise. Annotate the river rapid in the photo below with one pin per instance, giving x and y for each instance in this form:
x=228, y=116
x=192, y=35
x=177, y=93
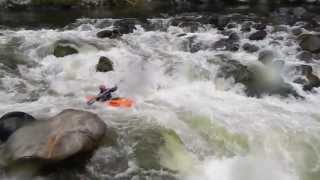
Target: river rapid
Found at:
x=188, y=123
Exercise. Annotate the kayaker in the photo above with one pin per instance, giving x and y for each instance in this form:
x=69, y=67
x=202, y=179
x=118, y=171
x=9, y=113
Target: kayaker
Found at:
x=105, y=93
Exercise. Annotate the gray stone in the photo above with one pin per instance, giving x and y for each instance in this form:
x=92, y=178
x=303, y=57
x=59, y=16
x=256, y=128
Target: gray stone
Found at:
x=69, y=133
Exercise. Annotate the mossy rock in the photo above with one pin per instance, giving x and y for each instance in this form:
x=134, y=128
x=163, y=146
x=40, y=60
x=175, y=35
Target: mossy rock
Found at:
x=64, y=50
x=104, y=65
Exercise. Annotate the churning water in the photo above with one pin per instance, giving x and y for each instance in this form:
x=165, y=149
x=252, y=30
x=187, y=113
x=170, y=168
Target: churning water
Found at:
x=225, y=134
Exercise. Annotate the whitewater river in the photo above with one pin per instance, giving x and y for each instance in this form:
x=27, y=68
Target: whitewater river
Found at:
x=225, y=135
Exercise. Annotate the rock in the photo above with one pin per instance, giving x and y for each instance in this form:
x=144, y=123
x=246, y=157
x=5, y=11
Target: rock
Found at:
x=310, y=42
x=158, y=148
x=104, y=65
x=187, y=23
x=232, y=68
x=300, y=80
x=313, y=82
x=266, y=57
x=312, y=25
x=246, y=27
x=112, y=34
x=62, y=50
x=305, y=56
x=304, y=69
x=256, y=81
x=316, y=56
x=67, y=134
x=259, y=26
x=280, y=28
x=228, y=44
x=250, y=48
x=222, y=22
x=12, y=121
x=259, y=35
x=296, y=31
x=299, y=11
x=231, y=25
x=277, y=65
x=275, y=43
x=234, y=36
x=125, y=26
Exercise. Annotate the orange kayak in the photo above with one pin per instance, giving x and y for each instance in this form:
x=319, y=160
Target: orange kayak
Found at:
x=116, y=102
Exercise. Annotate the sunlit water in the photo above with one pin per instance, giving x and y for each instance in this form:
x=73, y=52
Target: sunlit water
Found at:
x=228, y=136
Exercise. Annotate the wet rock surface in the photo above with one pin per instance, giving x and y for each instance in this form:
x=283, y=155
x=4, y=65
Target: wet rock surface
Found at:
x=12, y=121
x=250, y=48
x=64, y=48
x=310, y=42
x=69, y=133
x=259, y=35
x=104, y=65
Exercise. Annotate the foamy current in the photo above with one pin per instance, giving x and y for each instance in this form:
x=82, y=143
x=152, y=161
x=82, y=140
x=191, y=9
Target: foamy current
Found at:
x=227, y=135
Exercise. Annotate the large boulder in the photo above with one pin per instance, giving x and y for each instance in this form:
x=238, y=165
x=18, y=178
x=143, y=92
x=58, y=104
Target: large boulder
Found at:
x=104, y=65
x=257, y=81
x=310, y=42
x=67, y=134
x=11, y=122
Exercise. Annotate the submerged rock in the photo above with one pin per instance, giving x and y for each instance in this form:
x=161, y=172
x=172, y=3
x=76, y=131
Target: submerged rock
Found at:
x=157, y=148
x=305, y=56
x=250, y=48
x=266, y=57
x=246, y=27
x=296, y=31
x=69, y=133
x=62, y=50
x=104, y=65
x=12, y=121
